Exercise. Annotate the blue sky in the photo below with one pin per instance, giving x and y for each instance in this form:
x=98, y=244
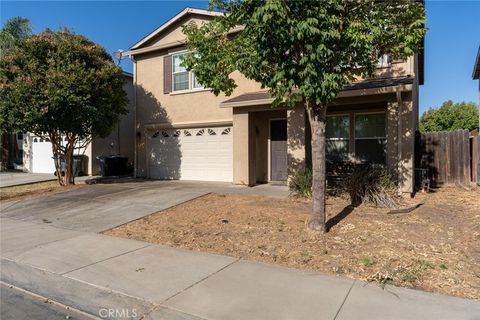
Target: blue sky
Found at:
x=451, y=43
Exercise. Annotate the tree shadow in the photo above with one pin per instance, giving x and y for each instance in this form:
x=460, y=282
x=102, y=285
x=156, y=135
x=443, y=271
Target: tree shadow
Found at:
x=333, y=221
x=157, y=139
x=428, y=157
x=392, y=70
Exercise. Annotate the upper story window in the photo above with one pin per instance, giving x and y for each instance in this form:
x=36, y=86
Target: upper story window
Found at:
x=384, y=61
x=182, y=78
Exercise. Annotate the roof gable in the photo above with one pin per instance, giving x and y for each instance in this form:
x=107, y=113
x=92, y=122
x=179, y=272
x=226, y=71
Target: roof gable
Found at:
x=164, y=27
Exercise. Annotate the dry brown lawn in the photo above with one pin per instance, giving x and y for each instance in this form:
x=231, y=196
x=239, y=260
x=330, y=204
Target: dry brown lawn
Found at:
x=436, y=247
x=32, y=190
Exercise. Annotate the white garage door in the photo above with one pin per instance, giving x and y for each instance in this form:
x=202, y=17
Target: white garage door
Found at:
x=41, y=156
x=204, y=154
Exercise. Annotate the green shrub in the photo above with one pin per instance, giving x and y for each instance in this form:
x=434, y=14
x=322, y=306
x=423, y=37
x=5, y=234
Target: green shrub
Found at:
x=301, y=183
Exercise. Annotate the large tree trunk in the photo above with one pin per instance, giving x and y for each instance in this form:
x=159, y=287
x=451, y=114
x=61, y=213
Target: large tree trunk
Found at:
x=57, y=142
x=63, y=153
x=317, y=118
x=69, y=177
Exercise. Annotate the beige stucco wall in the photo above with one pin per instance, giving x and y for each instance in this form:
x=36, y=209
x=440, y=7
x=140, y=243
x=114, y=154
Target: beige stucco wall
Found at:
x=398, y=68
x=251, y=135
x=401, y=126
x=244, y=148
x=407, y=141
x=121, y=139
x=174, y=32
x=296, y=133
x=193, y=108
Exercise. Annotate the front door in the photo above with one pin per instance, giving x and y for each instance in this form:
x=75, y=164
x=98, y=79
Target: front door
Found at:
x=278, y=150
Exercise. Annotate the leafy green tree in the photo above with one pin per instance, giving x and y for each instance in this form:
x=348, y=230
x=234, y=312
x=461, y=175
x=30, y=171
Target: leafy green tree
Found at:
x=63, y=87
x=450, y=117
x=303, y=52
x=14, y=29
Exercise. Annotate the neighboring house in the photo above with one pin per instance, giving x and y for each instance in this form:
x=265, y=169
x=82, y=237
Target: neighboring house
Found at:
x=476, y=73
x=475, y=140
x=37, y=155
x=186, y=132
x=11, y=145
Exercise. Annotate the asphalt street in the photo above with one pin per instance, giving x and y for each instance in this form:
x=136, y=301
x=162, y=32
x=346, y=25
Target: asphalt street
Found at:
x=18, y=304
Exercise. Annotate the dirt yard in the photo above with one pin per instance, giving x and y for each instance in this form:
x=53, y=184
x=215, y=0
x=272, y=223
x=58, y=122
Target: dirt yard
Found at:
x=435, y=248
x=32, y=190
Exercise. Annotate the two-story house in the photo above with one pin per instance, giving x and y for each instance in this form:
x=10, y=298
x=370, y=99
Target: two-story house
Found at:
x=183, y=131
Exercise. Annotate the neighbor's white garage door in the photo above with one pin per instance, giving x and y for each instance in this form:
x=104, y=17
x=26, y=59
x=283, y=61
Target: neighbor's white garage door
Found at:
x=204, y=154
x=41, y=156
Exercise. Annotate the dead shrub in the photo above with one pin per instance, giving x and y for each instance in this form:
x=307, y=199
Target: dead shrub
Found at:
x=372, y=184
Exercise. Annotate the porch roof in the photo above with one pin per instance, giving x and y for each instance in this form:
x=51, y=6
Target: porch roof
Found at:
x=360, y=88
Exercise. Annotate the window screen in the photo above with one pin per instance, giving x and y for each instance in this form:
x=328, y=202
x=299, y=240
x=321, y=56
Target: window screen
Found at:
x=370, y=137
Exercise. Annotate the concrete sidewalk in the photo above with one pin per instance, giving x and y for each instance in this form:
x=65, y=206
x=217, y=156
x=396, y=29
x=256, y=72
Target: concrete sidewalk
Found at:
x=92, y=273
x=10, y=179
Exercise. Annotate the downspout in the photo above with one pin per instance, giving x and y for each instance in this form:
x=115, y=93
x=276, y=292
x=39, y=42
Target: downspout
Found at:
x=135, y=164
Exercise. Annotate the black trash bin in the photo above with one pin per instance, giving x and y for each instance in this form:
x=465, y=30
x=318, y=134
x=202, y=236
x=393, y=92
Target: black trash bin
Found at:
x=78, y=164
x=113, y=165
x=103, y=166
x=61, y=164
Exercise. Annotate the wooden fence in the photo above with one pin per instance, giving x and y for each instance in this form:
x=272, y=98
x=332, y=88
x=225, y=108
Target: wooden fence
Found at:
x=475, y=152
x=449, y=157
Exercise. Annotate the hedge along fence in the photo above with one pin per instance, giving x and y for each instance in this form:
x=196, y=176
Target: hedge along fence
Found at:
x=449, y=157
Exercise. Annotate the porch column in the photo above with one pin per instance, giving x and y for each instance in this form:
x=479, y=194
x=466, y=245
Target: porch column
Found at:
x=407, y=144
x=392, y=135
x=401, y=140
x=243, y=148
x=296, y=140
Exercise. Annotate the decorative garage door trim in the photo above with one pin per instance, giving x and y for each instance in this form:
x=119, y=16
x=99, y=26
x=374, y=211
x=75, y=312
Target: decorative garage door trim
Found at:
x=201, y=153
x=185, y=125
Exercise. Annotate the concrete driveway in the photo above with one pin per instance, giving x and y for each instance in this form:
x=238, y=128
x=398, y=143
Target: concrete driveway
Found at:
x=9, y=179
x=95, y=208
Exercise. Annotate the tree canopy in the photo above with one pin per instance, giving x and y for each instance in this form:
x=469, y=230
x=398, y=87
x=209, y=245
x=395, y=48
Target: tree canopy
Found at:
x=303, y=52
x=14, y=29
x=62, y=86
x=450, y=116
x=302, y=49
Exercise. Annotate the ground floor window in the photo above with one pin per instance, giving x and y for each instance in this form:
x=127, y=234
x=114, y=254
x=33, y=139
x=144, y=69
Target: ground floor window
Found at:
x=338, y=137
x=370, y=137
x=368, y=131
